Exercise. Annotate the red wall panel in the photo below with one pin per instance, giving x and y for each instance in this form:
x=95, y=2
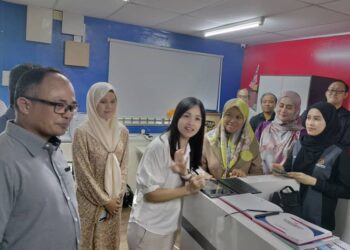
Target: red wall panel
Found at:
x=329, y=57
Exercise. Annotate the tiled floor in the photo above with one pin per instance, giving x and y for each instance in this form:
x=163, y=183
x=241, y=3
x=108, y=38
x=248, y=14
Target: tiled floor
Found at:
x=123, y=231
x=124, y=226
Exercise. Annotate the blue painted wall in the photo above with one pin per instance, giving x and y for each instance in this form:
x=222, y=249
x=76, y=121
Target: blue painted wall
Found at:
x=14, y=49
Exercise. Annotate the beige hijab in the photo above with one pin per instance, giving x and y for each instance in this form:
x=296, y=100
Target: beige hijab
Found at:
x=108, y=133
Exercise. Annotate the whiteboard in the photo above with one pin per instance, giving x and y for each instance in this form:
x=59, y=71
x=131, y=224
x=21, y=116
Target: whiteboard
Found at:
x=151, y=80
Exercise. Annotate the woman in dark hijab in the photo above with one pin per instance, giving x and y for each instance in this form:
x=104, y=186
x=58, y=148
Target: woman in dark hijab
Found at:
x=319, y=166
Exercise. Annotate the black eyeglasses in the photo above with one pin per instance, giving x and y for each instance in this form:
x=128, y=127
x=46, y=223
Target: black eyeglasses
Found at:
x=334, y=91
x=58, y=107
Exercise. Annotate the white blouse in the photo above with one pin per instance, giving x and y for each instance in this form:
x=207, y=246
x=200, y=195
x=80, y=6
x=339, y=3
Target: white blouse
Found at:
x=154, y=171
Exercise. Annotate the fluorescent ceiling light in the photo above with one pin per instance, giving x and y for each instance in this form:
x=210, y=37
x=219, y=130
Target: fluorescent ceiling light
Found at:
x=234, y=27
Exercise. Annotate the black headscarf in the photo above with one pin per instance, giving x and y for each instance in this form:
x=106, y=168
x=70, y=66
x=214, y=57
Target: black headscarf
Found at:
x=312, y=147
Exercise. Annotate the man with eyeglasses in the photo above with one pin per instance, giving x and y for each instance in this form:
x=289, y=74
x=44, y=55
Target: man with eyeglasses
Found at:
x=336, y=93
x=38, y=208
x=15, y=74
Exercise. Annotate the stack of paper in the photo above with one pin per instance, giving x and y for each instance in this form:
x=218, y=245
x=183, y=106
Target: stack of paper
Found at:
x=270, y=216
x=250, y=204
x=293, y=228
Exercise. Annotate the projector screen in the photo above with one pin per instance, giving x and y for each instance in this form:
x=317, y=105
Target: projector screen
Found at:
x=151, y=80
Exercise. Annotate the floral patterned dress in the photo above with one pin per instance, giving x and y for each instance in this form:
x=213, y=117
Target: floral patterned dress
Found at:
x=89, y=159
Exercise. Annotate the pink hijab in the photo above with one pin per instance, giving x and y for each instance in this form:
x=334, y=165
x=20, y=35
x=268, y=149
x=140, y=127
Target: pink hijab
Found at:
x=278, y=138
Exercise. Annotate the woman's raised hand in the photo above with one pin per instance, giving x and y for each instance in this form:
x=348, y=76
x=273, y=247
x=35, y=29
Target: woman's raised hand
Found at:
x=180, y=165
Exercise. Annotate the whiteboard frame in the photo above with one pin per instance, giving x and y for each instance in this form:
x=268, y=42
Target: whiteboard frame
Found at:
x=220, y=57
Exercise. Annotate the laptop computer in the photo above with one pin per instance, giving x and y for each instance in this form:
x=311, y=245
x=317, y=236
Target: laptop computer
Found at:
x=239, y=186
x=230, y=186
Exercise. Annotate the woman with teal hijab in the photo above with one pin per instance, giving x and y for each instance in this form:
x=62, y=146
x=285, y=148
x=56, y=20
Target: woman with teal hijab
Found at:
x=231, y=149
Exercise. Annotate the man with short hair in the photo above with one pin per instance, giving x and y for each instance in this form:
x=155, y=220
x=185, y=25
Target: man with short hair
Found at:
x=336, y=94
x=268, y=103
x=244, y=95
x=15, y=74
x=38, y=208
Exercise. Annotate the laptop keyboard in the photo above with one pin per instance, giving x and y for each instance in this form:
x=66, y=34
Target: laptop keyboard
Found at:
x=239, y=186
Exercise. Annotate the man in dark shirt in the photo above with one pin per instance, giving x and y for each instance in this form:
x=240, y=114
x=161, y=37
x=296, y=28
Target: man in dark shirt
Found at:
x=15, y=74
x=268, y=103
x=336, y=93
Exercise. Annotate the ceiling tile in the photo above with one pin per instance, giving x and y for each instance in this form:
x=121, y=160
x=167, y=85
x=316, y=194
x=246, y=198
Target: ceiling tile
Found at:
x=341, y=6
x=306, y=17
x=186, y=24
x=41, y=3
x=284, y=18
x=234, y=11
x=141, y=15
x=333, y=28
x=101, y=8
x=179, y=6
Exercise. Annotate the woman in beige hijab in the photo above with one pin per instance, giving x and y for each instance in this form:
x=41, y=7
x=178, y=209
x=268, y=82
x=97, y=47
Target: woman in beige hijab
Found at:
x=100, y=159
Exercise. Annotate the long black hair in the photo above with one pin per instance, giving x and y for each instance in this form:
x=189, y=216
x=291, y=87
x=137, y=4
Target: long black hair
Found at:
x=196, y=141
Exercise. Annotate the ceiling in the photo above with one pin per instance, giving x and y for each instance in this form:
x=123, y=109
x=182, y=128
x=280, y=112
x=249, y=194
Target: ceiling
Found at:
x=284, y=19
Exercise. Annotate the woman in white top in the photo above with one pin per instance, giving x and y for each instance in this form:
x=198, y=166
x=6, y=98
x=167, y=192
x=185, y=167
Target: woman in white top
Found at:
x=156, y=210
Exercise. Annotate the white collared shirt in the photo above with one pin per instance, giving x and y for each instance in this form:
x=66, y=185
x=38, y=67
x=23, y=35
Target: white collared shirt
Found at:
x=154, y=171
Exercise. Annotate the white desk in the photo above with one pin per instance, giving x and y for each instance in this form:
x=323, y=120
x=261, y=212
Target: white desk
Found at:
x=206, y=227
x=269, y=184
x=204, y=221
x=205, y=218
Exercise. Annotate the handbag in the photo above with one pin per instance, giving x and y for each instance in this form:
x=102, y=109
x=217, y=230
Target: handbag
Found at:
x=288, y=199
x=128, y=197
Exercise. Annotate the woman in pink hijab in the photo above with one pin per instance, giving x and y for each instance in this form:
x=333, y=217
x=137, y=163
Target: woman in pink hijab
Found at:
x=279, y=136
